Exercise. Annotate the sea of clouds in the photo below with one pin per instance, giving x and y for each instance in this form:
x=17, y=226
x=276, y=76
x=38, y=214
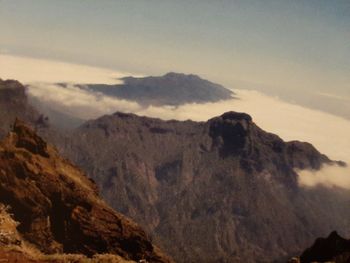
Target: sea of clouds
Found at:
x=330, y=134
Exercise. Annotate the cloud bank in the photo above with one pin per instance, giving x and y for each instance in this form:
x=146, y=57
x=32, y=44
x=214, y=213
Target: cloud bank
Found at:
x=78, y=102
x=329, y=176
x=328, y=133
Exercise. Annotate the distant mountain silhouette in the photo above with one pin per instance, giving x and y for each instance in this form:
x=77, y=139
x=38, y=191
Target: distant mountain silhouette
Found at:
x=170, y=89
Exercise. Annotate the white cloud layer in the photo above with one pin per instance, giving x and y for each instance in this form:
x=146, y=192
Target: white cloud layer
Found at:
x=328, y=133
x=77, y=102
x=330, y=176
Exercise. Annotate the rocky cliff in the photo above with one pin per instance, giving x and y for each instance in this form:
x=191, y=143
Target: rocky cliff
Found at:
x=58, y=208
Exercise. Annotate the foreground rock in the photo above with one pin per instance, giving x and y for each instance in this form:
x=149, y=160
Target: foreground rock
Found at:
x=334, y=248
x=58, y=208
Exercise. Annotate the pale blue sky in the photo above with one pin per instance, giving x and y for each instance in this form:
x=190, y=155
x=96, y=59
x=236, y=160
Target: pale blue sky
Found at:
x=284, y=46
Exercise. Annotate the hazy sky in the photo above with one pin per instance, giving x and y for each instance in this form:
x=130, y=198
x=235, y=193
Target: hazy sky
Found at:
x=286, y=47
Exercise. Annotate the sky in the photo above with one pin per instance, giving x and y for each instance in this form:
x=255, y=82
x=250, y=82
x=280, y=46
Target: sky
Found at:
x=282, y=47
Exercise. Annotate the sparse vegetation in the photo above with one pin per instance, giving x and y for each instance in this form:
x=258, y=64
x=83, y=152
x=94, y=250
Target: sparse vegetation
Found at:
x=8, y=231
x=12, y=245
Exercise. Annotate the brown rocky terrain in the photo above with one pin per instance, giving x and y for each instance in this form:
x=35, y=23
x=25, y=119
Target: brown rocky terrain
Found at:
x=58, y=208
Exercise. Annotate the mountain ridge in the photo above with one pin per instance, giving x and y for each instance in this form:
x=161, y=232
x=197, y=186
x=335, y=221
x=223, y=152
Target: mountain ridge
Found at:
x=170, y=89
x=205, y=184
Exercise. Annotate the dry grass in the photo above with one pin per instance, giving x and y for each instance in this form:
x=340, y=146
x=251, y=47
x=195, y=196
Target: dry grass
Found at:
x=8, y=228
x=74, y=258
x=12, y=243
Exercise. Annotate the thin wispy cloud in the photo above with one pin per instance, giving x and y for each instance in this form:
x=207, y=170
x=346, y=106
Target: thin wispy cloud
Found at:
x=334, y=96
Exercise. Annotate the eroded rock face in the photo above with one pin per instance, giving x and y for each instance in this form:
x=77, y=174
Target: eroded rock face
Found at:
x=231, y=132
x=217, y=191
x=58, y=207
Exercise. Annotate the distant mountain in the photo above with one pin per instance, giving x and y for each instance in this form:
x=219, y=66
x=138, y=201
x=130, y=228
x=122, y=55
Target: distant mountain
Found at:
x=58, y=208
x=217, y=191
x=170, y=89
x=334, y=248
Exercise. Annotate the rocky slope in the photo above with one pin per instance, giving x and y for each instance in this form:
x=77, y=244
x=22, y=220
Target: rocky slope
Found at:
x=217, y=191
x=170, y=89
x=58, y=208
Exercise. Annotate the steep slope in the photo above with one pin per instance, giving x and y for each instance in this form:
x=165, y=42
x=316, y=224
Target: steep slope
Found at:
x=170, y=89
x=58, y=208
x=217, y=191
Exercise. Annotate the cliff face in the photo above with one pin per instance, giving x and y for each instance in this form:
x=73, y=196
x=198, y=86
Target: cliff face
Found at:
x=217, y=191
x=57, y=206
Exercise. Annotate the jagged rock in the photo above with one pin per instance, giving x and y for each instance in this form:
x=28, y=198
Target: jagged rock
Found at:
x=58, y=208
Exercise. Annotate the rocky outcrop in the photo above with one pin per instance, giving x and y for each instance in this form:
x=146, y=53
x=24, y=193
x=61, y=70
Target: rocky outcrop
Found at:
x=57, y=206
x=334, y=248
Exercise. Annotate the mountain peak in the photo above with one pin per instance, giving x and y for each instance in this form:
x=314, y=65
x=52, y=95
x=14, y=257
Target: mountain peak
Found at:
x=176, y=75
x=237, y=116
